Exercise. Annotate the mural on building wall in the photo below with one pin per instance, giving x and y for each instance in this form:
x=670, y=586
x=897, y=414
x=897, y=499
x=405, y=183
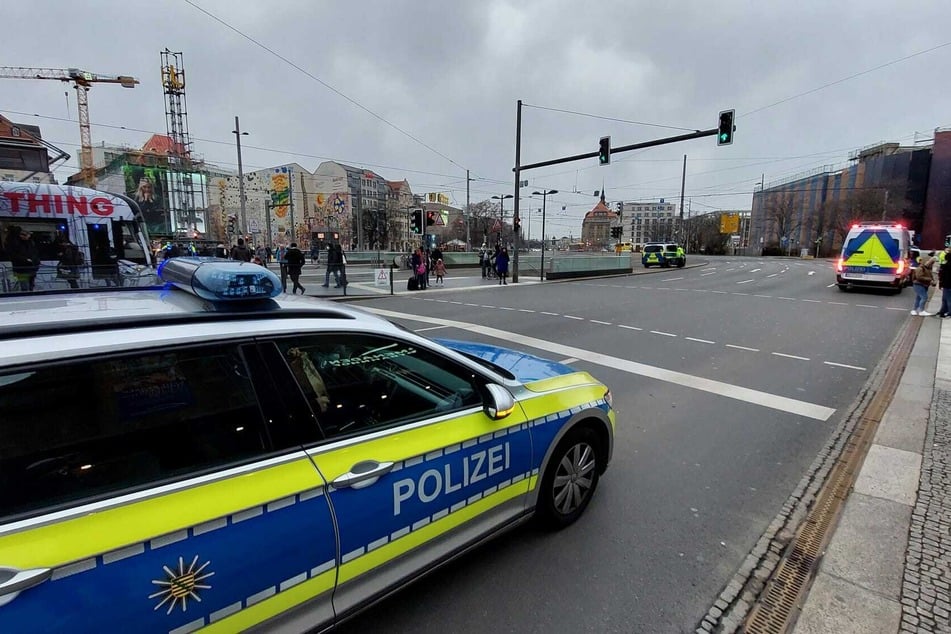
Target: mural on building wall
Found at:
x=146, y=186
x=280, y=192
x=332, y=204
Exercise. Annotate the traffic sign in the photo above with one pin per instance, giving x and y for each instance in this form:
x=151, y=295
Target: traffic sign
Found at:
x=381, y=277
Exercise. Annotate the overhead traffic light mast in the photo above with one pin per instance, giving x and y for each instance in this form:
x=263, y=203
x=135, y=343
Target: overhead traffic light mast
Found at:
x=726, y=127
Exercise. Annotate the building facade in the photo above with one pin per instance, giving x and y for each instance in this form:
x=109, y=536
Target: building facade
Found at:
x=596, y=226
x=812, y=212
x=648, y=221
x=23, y=153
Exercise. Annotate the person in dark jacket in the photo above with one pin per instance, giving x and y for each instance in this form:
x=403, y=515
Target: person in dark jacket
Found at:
x=502, y=265
x=24, y=256
x=944, y=281
x=334, y=257
x=295, y=264
x=241, y=252
x=70, y=259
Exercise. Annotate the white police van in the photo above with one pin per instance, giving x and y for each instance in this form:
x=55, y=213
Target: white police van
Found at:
x=213, y=455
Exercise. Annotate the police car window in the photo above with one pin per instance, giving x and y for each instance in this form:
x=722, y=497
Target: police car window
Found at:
x=77, y=431
x=354, y=382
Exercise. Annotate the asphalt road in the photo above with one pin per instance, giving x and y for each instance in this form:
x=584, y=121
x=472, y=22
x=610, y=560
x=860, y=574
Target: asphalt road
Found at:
x=765, y=358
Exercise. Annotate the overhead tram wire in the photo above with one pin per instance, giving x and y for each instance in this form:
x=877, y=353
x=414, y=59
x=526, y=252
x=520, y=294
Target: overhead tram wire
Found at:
x=605, y=118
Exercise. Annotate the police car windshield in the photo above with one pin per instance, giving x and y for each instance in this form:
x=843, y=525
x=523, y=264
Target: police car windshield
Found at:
x=653, y=248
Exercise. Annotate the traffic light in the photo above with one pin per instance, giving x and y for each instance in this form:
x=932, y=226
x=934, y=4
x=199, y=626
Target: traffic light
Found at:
x=430, y=218
x=726, y=128
x=232, y=224
x=416, y=223
x=617, y=231
x=604, y=151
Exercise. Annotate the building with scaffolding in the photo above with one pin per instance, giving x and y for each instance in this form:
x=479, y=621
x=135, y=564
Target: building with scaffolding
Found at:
x=812, y=212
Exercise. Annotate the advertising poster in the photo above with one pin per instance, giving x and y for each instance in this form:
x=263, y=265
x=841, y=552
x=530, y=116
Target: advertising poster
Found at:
x=146, y=186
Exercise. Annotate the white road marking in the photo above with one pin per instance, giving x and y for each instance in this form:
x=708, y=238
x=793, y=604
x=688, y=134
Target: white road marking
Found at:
x=745, y=294
x=710, y=273
x=487, y=306
x=430, y=328
x=545, y=312
x=766, y=296
x=525, y=310
x=674, y=279
x=699, y=340
x=755, y=270
x=745, y=282
x=568, y=360
x=728, y=270
x=811, y=273
x=727, y=390
x=814, y=301
x=893, y=308
x=572, y=317
x=773, y=275
x=597, y=321
x=791, y=299
x=837, y=303
x=472, y=305
x=663, y=288
x=459, y=303
x=845, y=365
x=720, y=292
x=730, y=345
x=629, y=327
x=830, y=285
x=505, y=308
x=790, y=356
x=866, y=306
x=660, y=332
x=442, y=301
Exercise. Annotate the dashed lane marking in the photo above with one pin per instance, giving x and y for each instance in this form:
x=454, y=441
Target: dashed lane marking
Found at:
x=597, y=321
x=765, y=296
x=730, y=345
x=525, y=310
x=681, y=379
x=505, y=308
x=674, y=279
x=791, y=299
x=573, y=317
x=866, y=306
x=629, y=327
x=699, y=340
x=837, y=303
x=719, y=292
x=755, y=270
x=830, y=285
x=844, y=365
x=812, y=301
x=661, y=332
x=790, y=356
x=745, y=282
x=773, y=275
x=545, y=312
x=708, y=273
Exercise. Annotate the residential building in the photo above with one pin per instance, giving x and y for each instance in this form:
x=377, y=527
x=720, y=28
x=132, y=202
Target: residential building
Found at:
x=648, y=221
x=596, y=226
x=886, y=181
x=24, y=155
x=399, y=206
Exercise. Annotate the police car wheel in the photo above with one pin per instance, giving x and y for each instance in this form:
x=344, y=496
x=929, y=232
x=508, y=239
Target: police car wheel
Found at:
x=570, y=480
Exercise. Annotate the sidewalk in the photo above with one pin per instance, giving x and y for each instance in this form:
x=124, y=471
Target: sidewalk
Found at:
x=888, y=566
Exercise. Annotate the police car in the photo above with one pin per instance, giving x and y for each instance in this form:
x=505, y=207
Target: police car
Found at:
x=213, y=455
x=663, y=254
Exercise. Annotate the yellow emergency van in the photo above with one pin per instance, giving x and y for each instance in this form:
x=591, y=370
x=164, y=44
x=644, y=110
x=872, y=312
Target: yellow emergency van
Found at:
x=875, y=255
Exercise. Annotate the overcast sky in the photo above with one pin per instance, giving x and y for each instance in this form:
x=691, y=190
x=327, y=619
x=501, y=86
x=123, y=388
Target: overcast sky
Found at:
x=449, y=73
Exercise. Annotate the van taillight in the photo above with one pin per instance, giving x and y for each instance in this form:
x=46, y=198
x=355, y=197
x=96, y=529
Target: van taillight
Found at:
x=901, y=267
x=840, y=264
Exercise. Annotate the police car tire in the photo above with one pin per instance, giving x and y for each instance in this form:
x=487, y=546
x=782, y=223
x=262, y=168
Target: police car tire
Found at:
x=554, y=510
x=681, y=264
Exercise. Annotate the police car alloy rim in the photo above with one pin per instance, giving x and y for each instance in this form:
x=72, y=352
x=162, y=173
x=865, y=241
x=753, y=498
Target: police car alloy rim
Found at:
x=574, y=478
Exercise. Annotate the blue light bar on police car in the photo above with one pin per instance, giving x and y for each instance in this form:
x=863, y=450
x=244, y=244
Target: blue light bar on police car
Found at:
x=216, y=279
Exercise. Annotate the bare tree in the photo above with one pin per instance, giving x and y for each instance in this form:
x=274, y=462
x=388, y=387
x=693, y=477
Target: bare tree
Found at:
x=782, y=213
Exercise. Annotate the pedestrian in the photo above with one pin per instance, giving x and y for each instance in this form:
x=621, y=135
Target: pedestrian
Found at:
x=260, y=254
x=341, y=266
x=314, y=254
x=70, y=259
x=421, y=270
x=282, y=264
x=484, y=261
x=502, y=265
x=24, y=256
x=267, y=251
x=440, y=272
x=221, y=251
x=428, y=261
x=241, y=252
x=331, y=256
x=295, y=264
x=944, y=281
x=923, y=280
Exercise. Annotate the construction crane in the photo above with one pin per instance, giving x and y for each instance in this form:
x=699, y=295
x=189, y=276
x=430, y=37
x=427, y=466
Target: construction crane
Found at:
x=82, y=80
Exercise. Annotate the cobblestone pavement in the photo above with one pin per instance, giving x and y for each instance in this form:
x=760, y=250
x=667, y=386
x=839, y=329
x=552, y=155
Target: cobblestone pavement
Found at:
x=926, y=596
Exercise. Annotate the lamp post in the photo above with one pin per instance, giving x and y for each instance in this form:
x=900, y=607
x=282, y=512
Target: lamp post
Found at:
x=501, y=200
x=544, y=194
x=244, y=214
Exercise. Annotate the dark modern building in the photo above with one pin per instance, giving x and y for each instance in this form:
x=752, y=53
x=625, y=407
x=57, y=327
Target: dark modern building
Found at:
x=24, y=155
x=887, y=181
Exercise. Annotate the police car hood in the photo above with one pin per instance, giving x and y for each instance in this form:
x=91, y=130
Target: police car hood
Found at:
x=526, y=367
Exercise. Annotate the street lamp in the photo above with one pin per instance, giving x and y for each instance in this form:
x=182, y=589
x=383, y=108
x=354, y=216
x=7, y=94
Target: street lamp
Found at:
x=244, y=214
x=501, y=200
x=544, y=194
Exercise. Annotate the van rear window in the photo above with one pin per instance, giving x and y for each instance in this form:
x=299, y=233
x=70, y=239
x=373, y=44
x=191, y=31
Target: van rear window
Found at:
x=653, y=248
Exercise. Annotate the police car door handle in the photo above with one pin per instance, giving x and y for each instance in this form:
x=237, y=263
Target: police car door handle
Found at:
x=363, y=474
x=21, y=580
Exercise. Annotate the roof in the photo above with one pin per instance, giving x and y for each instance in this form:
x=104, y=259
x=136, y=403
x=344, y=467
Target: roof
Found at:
x=162, y=144
x=601, y=210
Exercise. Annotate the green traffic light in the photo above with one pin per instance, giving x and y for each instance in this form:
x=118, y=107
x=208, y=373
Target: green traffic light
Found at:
x=724, y=137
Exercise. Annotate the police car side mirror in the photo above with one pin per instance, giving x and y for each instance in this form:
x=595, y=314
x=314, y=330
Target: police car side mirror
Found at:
x=499, y=402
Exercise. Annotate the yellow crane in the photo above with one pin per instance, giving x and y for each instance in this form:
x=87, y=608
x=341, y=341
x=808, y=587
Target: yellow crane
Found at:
x=82, y=80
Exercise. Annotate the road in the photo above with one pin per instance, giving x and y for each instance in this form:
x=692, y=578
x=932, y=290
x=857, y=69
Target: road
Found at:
x=728, y=379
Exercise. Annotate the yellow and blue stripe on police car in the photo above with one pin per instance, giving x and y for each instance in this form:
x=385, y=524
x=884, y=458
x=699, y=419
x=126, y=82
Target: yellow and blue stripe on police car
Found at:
x=869, y=253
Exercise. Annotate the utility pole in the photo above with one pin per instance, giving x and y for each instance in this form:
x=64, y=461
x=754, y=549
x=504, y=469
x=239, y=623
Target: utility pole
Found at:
x=683, y=184
x=468, y=213
x=290, y=195
x=518, y=156
x=244, y=212
x=885, y=205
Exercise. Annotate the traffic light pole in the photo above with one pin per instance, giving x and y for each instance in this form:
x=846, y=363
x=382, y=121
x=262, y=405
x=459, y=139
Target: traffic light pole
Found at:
x=516, y=221
x=624, y=148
